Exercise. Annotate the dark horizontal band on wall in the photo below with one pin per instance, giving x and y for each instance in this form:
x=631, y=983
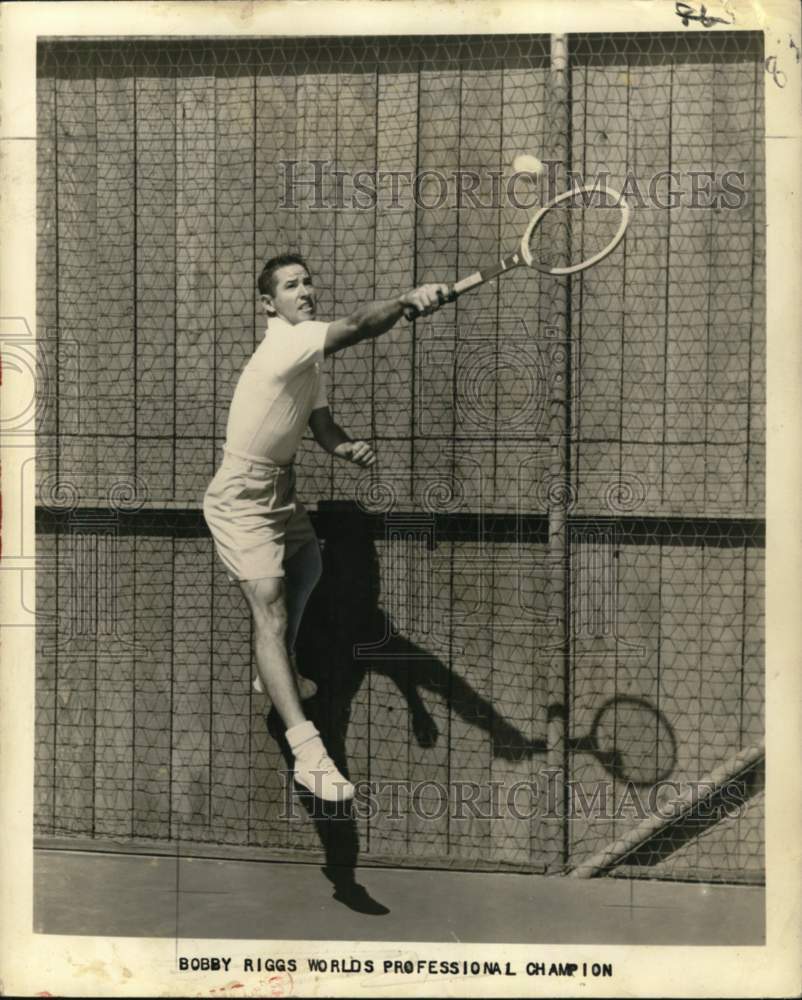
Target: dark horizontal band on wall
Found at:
x=335, y=518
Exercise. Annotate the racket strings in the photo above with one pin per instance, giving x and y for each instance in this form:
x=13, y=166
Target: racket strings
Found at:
x=575, y=230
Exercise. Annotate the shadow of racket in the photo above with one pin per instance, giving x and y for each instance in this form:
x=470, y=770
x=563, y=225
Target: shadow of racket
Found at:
x=631, y=739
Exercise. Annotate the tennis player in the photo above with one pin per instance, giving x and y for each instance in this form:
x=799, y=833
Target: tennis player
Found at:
x=261, y=530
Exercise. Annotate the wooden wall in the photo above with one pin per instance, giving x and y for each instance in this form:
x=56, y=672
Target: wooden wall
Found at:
x=160, y=194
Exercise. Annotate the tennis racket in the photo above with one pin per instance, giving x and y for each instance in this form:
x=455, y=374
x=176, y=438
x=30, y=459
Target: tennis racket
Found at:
x=569, y=234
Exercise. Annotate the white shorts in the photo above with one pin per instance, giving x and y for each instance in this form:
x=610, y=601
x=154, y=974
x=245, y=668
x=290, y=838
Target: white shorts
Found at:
x=255, y=518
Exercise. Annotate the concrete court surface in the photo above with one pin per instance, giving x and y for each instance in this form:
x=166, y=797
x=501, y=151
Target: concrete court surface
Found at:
x=121, y=895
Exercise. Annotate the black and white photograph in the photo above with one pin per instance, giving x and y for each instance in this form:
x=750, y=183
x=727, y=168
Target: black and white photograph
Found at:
x=385, y=499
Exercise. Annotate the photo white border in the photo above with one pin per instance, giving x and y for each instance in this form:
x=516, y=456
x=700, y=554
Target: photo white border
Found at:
x=81, y=966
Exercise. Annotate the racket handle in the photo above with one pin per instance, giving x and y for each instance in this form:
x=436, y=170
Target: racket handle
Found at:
x=411, y=313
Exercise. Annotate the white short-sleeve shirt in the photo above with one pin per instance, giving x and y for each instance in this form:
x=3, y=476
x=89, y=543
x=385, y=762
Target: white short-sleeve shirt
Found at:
x=277, y=391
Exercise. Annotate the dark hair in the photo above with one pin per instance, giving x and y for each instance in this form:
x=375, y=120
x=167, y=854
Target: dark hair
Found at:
x=265, y=280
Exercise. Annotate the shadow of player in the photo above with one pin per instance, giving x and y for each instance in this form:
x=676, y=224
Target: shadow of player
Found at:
x=342, y=613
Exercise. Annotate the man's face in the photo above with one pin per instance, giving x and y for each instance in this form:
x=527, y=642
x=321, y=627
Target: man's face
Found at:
x=293, y=297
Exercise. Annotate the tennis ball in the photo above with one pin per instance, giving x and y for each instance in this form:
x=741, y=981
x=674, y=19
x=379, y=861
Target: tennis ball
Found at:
x=526, y=164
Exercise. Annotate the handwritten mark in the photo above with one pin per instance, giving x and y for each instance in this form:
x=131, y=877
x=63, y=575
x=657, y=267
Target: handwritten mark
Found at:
x=280, y=985
x=687, y=14
x=774, y=71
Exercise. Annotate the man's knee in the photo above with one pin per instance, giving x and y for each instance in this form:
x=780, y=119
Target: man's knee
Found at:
x=305, y=567
x=267, y=603
x=315, y=564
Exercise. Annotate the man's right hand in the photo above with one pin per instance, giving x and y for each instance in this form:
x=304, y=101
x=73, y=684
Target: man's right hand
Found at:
x=376, y=318
x=424, y=300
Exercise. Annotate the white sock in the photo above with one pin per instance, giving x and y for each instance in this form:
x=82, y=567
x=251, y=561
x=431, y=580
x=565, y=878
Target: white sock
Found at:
x=304, y=738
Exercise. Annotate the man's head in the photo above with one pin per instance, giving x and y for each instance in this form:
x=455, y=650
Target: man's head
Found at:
x=286, y=289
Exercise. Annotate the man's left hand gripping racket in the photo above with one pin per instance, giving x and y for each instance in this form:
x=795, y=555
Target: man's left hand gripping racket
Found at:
x=571, y=233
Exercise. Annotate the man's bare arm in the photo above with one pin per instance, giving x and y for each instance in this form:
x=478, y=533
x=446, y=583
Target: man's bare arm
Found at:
x=333, y=439
x=376, y=318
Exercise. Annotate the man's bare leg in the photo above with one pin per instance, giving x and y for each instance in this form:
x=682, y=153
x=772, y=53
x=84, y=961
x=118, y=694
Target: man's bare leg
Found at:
x=266, y=598
x=305, y=685
x=313, y=768
x=302, y=573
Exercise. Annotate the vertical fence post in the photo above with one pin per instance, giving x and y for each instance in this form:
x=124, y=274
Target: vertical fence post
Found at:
x=557, y=298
